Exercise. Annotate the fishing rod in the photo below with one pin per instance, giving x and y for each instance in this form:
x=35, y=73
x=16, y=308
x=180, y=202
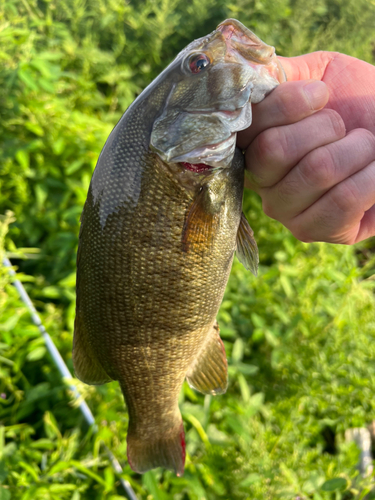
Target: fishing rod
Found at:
x=65, y=373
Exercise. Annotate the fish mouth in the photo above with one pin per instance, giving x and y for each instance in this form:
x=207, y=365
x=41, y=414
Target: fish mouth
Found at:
x=209, y=157
x=220, y=154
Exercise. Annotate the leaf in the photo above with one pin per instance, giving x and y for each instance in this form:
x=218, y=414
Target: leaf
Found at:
x=287, y=286
x=35, y=128
x=335, y=484
x=10, y=323
x=250, y=479
x=198, y=427
x=88, y=472
x=246, y=369
x=257, y=320
x=74, y=166
x=245, y=391
x=28, y=79
x=152, y=485
x=23, y=159
x=43, y=444
x=58, y=145
x=34, y=473
x=3, y=472
x=41, y=194
x=36, y=354
x=238, y=350
x=62, y=488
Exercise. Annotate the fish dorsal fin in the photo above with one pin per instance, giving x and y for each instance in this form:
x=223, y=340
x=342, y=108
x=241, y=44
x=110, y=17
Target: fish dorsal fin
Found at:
x=209, y=372
x=247, y=249
x=201, y=224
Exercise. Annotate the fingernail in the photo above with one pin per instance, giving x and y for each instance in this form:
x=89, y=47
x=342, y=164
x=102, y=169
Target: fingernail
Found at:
x=317, y=94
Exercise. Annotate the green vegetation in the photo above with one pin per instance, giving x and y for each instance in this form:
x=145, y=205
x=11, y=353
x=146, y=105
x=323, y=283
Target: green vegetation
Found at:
x=299, y=338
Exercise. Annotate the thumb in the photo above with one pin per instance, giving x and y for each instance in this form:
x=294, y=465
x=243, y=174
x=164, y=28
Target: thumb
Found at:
x=307, y=67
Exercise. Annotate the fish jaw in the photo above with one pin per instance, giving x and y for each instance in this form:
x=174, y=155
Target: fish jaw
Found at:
x=246, y=48
x=213, y=155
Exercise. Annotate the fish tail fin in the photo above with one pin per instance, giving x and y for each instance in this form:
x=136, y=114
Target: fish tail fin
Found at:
x=167, y=450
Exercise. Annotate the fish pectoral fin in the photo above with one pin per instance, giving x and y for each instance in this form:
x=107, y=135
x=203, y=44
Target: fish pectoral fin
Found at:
x=201, y=223
x=209, y=372
x=86, y=367
x=247, y=249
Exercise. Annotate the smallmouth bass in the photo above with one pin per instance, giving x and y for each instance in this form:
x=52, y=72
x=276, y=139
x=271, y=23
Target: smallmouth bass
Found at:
x=162, y=220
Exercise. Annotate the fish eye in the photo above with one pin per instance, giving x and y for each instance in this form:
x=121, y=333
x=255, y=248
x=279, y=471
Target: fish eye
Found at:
x=197, y=62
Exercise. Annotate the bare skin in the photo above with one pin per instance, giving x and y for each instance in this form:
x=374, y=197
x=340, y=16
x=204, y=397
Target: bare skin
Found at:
x=310, y=152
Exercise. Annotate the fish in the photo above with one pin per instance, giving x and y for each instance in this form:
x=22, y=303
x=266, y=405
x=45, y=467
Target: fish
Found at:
x=159, y=229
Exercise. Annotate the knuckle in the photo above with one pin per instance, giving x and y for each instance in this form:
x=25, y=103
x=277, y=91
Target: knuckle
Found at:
x=301, y=233
x=318, y=169
x=270, y=147
x=367, y=138
x=346, y=196
x=287, y=188
x=269, y=208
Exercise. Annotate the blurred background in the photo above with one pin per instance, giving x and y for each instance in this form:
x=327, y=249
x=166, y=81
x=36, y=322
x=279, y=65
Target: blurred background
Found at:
x=299, y=338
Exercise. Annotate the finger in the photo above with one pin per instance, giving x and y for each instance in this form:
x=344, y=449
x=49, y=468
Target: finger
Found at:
x=318, y=172
x=367, y=225
x=290, y=102
x=277, y=150
x=307, y=66
x=349, y=81
x=336, y=217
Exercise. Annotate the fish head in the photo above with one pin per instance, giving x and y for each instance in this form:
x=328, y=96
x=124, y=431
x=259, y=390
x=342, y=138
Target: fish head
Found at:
x=215, y=80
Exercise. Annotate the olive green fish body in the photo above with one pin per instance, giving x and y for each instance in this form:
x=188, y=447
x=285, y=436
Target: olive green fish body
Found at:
x=154, y=303
x=158, y=235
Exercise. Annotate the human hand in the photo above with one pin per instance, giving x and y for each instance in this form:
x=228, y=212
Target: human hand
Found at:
x=314, y=168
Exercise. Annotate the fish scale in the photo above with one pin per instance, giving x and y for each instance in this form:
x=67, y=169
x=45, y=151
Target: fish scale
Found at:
x=157, y=242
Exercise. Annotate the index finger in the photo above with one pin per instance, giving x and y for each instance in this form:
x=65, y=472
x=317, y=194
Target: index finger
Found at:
x=289, y=103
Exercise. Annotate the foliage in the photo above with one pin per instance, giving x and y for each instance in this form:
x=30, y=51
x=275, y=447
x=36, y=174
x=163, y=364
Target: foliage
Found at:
x=299, y=338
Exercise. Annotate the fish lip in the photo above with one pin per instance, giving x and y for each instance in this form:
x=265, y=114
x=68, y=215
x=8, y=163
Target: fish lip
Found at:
x=236, y=34
x=242, y=42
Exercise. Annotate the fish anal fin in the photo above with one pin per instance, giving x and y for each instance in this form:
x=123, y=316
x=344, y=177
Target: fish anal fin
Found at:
x=167, y=451
x=86, y=366
x=247, y=249
x=209, y=372
x=201, y=224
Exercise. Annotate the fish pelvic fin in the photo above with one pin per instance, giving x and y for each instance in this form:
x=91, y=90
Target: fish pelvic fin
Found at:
x=86, y=366
x=167, y=451
x=209, y=372
x=247, y=249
